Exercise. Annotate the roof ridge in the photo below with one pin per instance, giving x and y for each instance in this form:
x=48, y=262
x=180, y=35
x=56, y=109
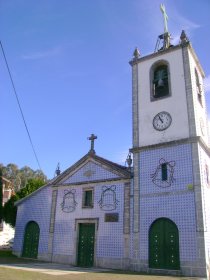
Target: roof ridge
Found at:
x=113, y=163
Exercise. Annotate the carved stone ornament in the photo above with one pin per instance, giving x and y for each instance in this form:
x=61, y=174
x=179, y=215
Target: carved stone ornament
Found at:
x=89, y=173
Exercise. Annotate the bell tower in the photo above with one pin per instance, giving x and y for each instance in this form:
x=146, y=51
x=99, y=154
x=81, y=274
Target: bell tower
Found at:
x=171, y=227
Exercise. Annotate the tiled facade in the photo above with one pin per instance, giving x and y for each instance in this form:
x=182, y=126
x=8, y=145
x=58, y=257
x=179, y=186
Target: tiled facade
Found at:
x=35, y=208
x=175, y=202
x=58, y=224
x=65, y=229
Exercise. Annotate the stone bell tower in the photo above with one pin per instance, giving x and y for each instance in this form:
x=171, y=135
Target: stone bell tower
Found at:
x=171, y=216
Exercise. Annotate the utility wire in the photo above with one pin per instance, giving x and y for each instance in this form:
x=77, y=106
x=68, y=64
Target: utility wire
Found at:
x=21, y=111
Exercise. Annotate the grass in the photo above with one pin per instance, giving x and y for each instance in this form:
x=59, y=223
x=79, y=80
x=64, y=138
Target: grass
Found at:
x=13, y=274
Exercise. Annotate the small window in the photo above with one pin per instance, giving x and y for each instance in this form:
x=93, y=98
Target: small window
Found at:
x=198, y=87
x=88, y=198
x=164, y=172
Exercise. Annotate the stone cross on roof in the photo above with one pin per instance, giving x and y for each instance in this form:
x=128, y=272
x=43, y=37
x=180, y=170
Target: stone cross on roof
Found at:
x=92, y=138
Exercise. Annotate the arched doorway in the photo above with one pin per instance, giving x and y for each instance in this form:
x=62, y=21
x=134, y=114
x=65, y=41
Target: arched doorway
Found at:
x=31, y=240
x=164, y=245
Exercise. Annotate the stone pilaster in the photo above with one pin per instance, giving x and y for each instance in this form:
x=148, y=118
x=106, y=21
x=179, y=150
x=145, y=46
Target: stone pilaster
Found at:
x=52, y=222
x=126, y=225
x=135, y=115
x=136, y=199
x=136, y=207
x=126, y=217
x=189, y=91
x=200, y=268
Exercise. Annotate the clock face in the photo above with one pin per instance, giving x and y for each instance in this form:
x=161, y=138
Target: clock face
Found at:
x=162, y=121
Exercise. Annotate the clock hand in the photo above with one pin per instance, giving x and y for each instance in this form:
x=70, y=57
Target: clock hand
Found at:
x=160, y=119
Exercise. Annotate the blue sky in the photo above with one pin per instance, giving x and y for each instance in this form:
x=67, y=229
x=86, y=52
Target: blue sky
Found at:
x=69, y=61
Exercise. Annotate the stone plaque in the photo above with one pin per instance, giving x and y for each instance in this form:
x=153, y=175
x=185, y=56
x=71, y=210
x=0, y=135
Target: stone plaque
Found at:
x=111, y=217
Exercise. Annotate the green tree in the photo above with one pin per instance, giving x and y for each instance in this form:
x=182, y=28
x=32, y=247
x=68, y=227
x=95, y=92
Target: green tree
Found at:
x=10, y=210
x=20, y=177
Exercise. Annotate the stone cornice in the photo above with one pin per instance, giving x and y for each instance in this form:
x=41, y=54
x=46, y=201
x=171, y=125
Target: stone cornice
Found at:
x=196, y=139
x=92, y=183
x=159, y=53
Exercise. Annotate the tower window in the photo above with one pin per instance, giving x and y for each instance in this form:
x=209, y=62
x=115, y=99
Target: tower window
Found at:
x=198, y=87
x=164, y=171
x=160, y=80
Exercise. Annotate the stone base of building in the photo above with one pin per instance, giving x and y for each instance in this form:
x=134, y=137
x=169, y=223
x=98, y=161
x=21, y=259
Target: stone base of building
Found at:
x=64, y=259
x=113, y=263
x=192, y=269
x=188, y=269
x=17, y=253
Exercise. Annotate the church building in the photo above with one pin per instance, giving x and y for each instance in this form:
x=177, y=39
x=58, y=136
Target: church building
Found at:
x=153, y=216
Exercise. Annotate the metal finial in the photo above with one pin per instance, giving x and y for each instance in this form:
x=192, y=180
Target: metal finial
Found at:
x=58, y=171
x=183, y=37
x=129, y=160
x=136, y=53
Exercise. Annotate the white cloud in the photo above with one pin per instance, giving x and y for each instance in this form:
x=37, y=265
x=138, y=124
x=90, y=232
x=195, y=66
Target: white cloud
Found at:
x=182, y=24
x=207, y=84
x=187, y=24
x=42, y=54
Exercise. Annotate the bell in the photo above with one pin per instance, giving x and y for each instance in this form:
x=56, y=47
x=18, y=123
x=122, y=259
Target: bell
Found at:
x=160, y=83
x=108, y=200
x=69, y=202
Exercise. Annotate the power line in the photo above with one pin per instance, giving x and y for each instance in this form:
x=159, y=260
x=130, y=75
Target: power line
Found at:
x=21, y=111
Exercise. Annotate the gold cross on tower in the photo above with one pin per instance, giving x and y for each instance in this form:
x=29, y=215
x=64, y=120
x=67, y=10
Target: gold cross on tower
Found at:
x=92, y=138
x=163, y=10
x=165, y=36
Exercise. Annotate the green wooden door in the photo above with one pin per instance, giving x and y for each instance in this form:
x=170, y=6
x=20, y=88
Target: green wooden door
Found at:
x=164, y=245
x=31, y=241
x=86, y=245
